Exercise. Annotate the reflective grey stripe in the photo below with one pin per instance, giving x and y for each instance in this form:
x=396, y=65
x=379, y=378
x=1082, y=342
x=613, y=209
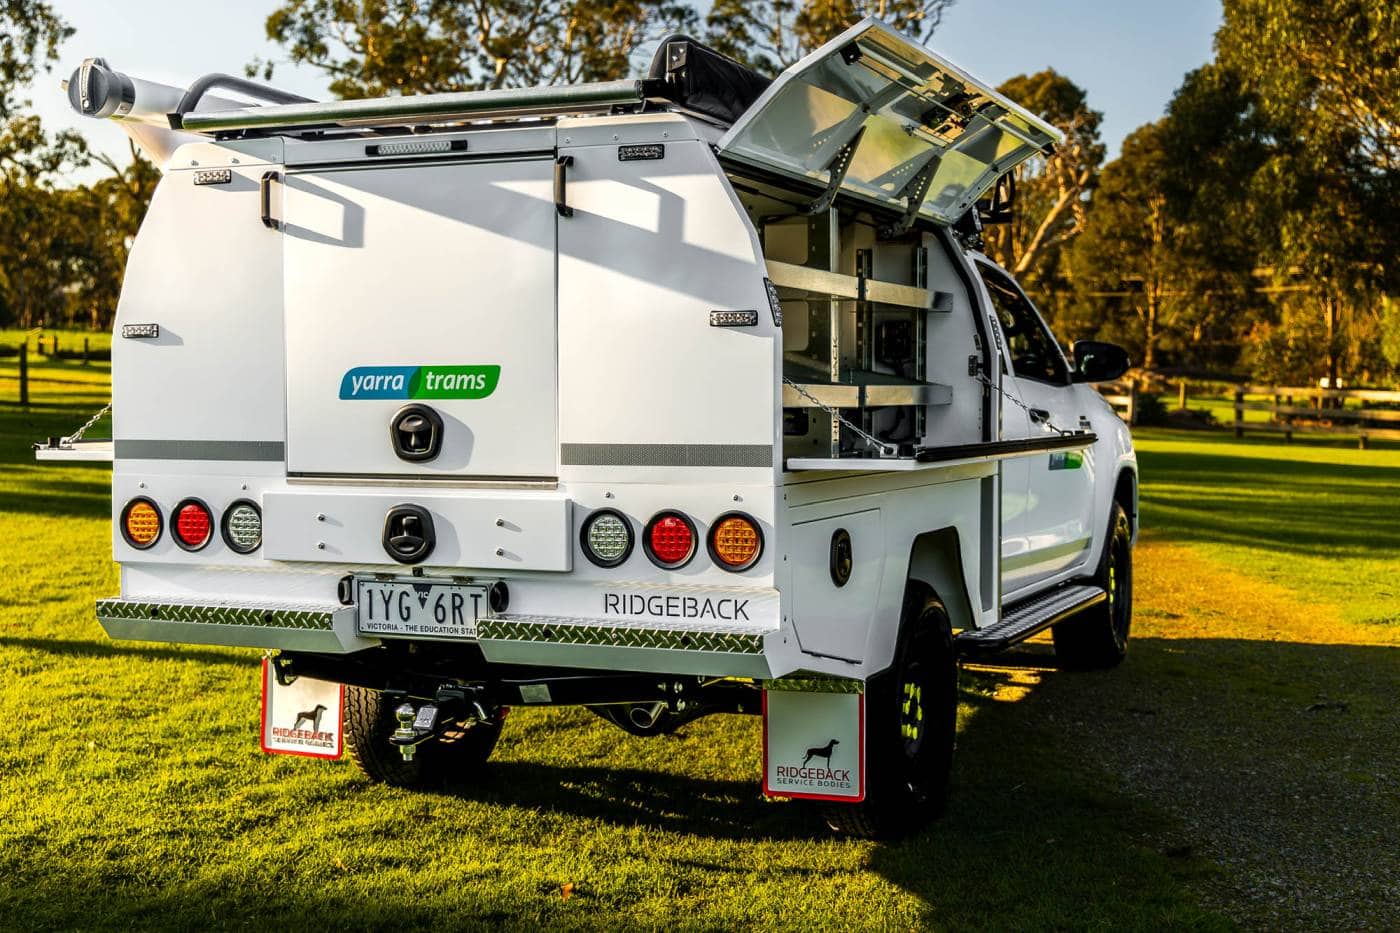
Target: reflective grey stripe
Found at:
x=1045, y=554
x=200, y=450
x=667, y=455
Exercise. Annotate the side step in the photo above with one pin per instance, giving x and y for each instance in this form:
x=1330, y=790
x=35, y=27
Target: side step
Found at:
x=1023, y=620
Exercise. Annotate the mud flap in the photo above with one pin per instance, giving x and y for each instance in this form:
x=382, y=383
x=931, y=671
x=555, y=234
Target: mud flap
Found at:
x=814, y=745
x=303, y=718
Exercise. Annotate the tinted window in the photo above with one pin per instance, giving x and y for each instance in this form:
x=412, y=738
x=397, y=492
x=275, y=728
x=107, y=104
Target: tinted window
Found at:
x=1034, y=353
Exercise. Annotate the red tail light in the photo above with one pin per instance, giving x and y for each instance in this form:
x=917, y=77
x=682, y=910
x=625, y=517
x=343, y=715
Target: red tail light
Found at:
x=193, y=524
x=670, y=540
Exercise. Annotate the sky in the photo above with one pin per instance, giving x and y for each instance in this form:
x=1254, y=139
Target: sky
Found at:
x=1130, y=55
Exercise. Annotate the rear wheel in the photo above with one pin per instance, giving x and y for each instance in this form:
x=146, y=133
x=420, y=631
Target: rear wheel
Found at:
x=454, y=756
x=911, y=722
x=1098, y=637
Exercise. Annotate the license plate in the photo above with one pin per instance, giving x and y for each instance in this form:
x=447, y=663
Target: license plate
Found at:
x=419, y=609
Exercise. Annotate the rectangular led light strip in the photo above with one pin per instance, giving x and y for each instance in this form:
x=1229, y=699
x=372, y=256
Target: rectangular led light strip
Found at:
x=733, y=318
x=418, y=147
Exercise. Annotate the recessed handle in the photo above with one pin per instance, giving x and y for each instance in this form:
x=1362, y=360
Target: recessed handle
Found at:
x=1038, y=415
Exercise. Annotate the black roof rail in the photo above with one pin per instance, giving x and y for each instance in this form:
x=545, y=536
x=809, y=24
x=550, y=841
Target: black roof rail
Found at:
x=196, y=92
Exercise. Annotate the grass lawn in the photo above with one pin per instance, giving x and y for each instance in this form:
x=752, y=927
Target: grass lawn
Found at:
x=132, y=792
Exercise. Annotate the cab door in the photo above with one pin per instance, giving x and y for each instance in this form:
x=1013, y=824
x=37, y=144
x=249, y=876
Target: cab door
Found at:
x=1052, y=533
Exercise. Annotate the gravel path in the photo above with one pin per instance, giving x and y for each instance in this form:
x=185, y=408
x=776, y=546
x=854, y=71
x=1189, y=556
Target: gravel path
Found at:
x=1268, y=730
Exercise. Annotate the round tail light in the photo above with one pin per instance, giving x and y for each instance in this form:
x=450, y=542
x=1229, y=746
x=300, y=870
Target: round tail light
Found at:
x=141, y=523
x=192, y=524
x=606, y=538
x=242, y=527
x=735, y=541
x=670, y=540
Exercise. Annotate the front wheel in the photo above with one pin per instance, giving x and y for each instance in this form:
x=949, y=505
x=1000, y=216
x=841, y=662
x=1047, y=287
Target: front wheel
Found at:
x=911, y=713
x=1098, y=637
x=454, y=756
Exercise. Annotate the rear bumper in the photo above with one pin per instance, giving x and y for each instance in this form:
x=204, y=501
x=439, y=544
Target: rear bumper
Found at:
x=674, y=648
x=292, y=626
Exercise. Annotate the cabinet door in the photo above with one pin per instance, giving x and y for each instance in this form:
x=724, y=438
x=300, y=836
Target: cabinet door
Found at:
x=431, y=285
x=834, y=620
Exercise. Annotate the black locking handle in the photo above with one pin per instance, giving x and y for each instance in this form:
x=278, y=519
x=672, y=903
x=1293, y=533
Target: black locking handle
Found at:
x=561, y=200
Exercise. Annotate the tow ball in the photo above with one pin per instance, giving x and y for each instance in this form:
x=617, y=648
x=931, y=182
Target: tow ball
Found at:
x=417, y=726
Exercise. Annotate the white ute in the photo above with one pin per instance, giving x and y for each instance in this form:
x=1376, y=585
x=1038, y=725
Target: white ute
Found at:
x=673, y=396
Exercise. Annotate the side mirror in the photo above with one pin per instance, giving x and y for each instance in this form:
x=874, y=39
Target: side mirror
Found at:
x=1096, y=361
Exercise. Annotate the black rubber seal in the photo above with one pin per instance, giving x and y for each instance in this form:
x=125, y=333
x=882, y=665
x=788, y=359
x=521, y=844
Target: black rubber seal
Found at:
x=588, y=552
x=646, y=540
x=160, y=519
x=223, y=527
x=175, y=517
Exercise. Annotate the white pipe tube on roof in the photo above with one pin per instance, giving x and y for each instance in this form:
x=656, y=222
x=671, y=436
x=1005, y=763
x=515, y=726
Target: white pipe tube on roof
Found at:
x=141, y=107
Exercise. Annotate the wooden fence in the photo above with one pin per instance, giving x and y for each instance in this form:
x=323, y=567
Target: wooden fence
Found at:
x=50, y=348
x=1123, y=397
x=1302, y=410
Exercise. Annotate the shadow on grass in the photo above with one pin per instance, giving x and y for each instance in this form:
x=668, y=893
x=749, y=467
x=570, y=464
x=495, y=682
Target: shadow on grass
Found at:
x=69, y=648
x=1283, y=505
x=635, y=797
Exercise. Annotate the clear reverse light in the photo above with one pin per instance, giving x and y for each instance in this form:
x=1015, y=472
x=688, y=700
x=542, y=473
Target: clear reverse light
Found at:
x=243, y=527
x=609, y=538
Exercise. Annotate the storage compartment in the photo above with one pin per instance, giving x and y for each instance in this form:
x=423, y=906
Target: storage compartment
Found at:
x=833, y=618
x=423, y=285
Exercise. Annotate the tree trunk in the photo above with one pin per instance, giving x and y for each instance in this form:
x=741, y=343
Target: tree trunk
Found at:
x=1149, y=338
x=1332, y=309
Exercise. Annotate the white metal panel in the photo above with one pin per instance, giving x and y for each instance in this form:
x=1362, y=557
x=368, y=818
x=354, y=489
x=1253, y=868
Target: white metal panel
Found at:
x=474, y=529
x=652, y=247
x=397, y=269
x=835, y=620
x=207, y=271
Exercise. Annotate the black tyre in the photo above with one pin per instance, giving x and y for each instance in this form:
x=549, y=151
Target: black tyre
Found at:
x=1097, y=638
x=911, y=713
x=455, y=756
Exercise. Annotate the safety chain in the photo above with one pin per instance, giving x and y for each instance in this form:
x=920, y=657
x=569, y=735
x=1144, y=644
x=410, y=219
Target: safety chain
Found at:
x=1020, y=404
x=78, y=434
x=875, y=442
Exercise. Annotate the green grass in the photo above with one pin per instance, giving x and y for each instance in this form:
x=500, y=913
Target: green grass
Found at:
x=1317, y=518
x=132, y=792
x=67, y=339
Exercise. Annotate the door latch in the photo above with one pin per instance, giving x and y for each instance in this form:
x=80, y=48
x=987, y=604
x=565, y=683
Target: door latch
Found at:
x=416, y=433
x=408, y=533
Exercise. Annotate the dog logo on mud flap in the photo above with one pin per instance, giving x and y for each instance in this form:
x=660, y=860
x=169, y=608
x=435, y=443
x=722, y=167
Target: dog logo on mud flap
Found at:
x=820, y=777
x=821, y=751
x=311, y=717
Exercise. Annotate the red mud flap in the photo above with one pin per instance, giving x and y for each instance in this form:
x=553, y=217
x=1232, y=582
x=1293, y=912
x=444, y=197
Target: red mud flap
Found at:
x=814, y=745
x=303, y=718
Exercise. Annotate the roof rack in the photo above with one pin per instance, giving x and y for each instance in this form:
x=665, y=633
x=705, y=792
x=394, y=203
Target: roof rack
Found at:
x=433, y=108
x=683, y=73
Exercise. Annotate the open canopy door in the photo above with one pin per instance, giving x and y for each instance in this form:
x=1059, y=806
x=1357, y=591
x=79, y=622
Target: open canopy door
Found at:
x=904, y=125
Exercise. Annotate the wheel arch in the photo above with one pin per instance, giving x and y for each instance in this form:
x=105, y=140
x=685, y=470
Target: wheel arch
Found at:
x=935, y=560
x=1125, y=493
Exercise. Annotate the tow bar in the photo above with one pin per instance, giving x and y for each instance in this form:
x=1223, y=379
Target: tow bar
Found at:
x=416, y=726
